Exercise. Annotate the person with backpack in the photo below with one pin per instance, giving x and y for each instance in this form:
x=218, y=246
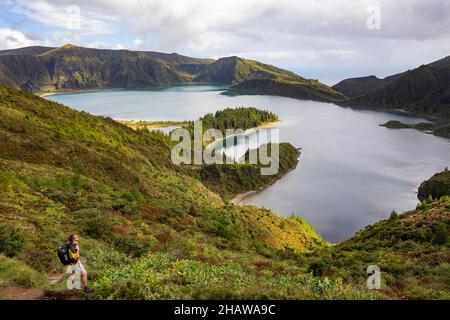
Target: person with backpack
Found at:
x=69, y=254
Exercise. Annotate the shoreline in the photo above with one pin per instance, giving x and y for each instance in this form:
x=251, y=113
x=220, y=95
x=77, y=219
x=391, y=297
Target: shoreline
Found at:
x=267, y=125
x=67, y=91
x=139, y=124
x=143, y=124
x=237, y=200
x=44, y=94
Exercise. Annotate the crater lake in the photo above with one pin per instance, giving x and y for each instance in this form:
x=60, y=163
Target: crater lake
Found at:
x=351, y=173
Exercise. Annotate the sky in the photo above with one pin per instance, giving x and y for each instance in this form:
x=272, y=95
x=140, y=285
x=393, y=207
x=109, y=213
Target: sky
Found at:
x=329, y=40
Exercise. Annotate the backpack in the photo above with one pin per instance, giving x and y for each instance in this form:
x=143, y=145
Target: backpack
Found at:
x=63, y=254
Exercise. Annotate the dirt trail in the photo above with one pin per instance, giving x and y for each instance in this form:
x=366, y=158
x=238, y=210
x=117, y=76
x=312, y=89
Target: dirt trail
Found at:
x=16, y=293
x=55, y=278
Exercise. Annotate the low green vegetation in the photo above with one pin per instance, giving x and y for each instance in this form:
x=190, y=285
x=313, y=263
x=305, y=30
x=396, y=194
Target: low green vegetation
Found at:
x=11, y=240
x=411, y=249
x=163, y=276
x=153, y=230
x=14, y=273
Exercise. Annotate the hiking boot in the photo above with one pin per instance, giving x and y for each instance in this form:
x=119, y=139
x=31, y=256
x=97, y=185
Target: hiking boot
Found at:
x=88, y=290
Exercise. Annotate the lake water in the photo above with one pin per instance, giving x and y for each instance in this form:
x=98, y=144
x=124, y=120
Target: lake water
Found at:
x=352, y=172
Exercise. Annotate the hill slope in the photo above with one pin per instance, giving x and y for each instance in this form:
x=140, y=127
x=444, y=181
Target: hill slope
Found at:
x=355, y=87
x=253, y=77
x=32, y=51
x=234, y=70
x=71, y=67
x=412, y=251
x=186, y=65
x=425, y=90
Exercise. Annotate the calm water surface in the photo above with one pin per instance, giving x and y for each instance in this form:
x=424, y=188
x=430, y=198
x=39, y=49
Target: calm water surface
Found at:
x=352, y=172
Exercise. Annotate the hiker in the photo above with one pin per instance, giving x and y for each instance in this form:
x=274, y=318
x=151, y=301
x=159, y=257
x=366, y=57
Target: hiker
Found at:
x=74, y=256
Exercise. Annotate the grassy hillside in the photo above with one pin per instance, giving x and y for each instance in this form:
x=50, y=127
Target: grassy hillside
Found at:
x=63, y=171
x=152, y=230
x=72, y=67
x=412, y=251
x=79, y=68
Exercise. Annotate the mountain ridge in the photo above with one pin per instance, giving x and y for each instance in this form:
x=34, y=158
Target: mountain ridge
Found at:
x=424, y=90
x=48, y=69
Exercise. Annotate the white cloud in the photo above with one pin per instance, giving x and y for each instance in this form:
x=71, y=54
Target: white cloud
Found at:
x=66, y=15
x=325, y=34
x=10, y=39
x=104, y=45
x=301, y=55
x=214, y=23
x=217, y=26
x=98, y=45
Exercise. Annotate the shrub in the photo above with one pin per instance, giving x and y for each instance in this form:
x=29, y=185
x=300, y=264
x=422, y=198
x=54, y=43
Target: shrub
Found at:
x=99, y=257
x=125, y=204
x=17, y=273
x=131, y=246
x=224, y=227
x=12, y=241
x=129, y=290
x=192, y=211
x=317, y=268
x=94, y=223
x=76, y=181
x=441, y=234
x=393, y=216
